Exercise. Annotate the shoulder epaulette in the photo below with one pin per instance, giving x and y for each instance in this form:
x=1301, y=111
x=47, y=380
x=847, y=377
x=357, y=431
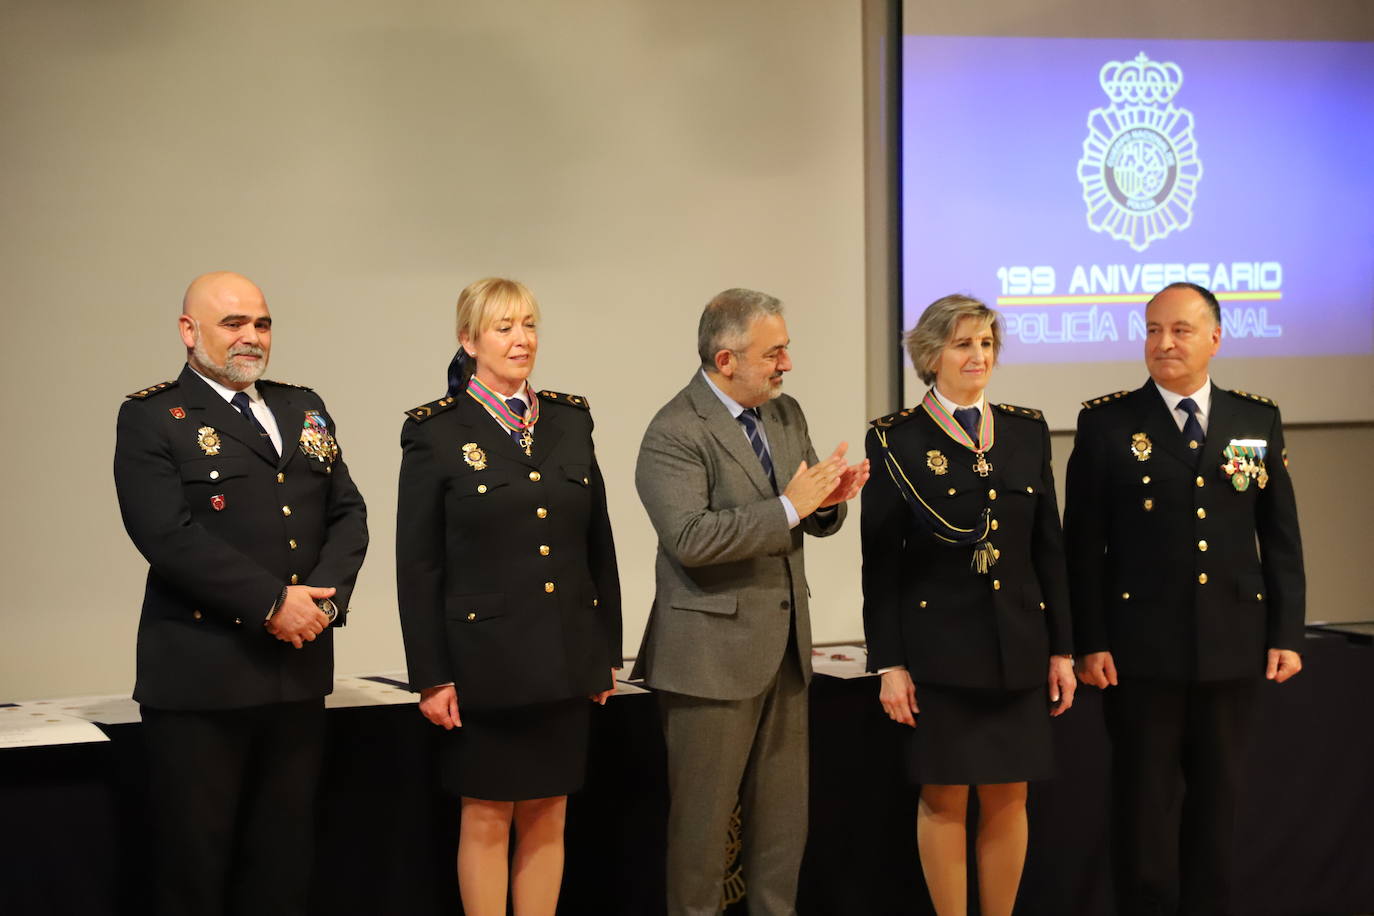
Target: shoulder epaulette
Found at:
x=268, y=381
x=575, y=400
x=1254, y=397
x=893, y=419
x=425, y=411
x=1105, y=399
x=151, y=390
x=1020, y=411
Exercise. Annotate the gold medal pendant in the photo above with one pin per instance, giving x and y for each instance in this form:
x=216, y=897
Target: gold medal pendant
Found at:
x=982, y=466
x=527, y=440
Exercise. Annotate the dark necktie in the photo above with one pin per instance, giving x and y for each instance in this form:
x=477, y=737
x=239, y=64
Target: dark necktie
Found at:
x=1192, y=428
x=968, y=418
x=749, y=419
x=518, y=407
x=240, y=400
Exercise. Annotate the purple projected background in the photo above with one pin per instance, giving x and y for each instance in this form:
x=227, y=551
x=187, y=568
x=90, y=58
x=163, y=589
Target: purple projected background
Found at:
x=1282, y=133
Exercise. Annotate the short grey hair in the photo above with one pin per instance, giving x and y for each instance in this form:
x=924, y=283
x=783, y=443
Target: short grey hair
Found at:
x=936, y=326
x=726, y=320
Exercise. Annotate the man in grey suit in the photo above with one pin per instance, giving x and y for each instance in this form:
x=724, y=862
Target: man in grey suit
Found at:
x=728, y=643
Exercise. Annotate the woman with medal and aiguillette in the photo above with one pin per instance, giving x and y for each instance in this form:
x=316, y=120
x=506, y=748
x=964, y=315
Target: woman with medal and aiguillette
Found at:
x=509, y=597
x=966, y=602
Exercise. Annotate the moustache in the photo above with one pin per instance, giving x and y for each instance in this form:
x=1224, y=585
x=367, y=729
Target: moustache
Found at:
x=247, y=350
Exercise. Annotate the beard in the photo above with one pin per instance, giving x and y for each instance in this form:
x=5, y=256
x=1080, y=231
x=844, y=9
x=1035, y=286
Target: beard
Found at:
x=230, y=370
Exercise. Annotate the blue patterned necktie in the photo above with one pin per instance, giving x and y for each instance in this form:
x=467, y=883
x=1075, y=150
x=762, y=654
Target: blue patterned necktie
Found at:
x=749, y=419
x=968, y=418
x=518, y=407
x=1192, y=427
x=240, y=401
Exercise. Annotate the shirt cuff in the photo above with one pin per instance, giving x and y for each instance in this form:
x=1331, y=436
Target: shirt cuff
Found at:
x=793, y=519
x=891, y=668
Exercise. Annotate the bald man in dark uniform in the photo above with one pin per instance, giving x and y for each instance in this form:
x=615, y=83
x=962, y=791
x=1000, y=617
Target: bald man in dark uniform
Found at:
x=234, y=489
x=1187, y=585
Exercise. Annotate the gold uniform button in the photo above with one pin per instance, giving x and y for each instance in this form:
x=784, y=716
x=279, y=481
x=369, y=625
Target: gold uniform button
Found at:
x=281, y=478
x=541, y=512
x=951, y=491
x=238, y=622
x=923, y=604
x=481, y=488
x=996, y=584
x=1200, y=481
x=197, y=614
x=472, y=615
x=1192, y=443
x=548, y=588
x=543, y=550
x=1145, y=479
x=1201, y=578
x=1125, y=596
x=1042, y=605
x=329, y=469
x=293, y=543
x=1259, y=596
x=1030, y=489
x=285, y=510
x=1149, y=504
x=992, y=494
x=534, y=475
x=214, y=475
x=596, y=602
x=1202, y=545
x=1201, y=512
x=295, y=579
x=585, y=481
x=996, y=554
x=993, y=525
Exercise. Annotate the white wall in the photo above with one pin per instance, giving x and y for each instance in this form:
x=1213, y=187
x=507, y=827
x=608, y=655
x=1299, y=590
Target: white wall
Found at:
x=362, y=162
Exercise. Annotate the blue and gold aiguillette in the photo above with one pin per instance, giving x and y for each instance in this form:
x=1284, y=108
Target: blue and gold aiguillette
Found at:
x=316, y=439
x=474, y=456
x=1244, y=462
x=937, y=462
x=208, y=440
x=1141, y=446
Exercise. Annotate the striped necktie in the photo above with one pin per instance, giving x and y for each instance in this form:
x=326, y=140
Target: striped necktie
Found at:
x=749, y=419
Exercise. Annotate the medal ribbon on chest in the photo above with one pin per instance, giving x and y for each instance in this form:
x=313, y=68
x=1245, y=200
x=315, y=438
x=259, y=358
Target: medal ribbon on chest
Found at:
x=951, y=427
x=504, y=415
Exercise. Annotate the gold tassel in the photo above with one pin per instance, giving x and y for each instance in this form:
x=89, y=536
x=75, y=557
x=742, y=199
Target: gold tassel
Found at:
x=984, y=557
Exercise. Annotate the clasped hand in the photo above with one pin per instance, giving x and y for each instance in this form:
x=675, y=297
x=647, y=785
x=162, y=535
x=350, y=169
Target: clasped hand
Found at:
x=298, y=620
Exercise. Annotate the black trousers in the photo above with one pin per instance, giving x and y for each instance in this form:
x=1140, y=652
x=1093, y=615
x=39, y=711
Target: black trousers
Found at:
x=233, y=795
x=1177, y=753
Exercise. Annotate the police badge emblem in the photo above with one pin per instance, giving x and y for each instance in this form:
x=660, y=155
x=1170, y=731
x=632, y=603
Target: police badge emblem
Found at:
x=937, y=463
x=474, y=456
x=1140, y=168
x=316, y=439
x=1141, y=446
x=208, y=440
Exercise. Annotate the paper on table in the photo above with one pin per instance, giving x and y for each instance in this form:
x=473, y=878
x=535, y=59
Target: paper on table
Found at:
x=24, y=726
x=106, y=710
x=840, y=661
x=366, y=691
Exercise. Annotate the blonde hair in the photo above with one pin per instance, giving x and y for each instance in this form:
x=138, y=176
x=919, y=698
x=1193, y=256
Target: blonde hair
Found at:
x=936, y=326
x=491, y=298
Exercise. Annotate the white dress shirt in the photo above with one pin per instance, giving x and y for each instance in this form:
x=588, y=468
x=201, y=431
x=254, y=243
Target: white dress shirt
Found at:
x=255, y=404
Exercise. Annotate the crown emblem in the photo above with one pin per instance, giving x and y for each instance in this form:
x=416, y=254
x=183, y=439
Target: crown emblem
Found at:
x=1140, y=168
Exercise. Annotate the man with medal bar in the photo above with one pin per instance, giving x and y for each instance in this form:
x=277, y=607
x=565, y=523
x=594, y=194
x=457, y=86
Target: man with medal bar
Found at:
x=1188, y=589
x=233, y=488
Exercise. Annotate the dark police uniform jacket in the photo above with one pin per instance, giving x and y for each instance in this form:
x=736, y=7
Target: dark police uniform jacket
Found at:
x=505, y=566
x=1175, y=571
x=225, y=526
x=924, y=606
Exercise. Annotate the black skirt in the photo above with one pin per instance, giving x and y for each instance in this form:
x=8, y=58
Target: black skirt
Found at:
x=519, y=753
x=968, y=737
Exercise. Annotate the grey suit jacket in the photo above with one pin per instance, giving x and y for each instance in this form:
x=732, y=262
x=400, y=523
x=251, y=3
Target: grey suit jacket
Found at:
x=729, y=574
